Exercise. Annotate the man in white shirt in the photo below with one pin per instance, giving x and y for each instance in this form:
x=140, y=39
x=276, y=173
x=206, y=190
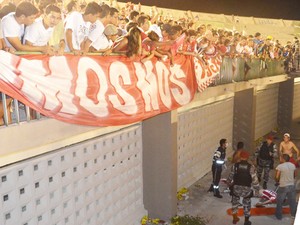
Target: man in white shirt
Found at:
x=111, y=32
x=240, y=47
x=40, y=32
x=113, y=16
x=13, y=27
x=285, y=173
x=143, y=23
x=77, y=27
x=1, y=38
x=96, y=40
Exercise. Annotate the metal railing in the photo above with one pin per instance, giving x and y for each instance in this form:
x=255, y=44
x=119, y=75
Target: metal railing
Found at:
x=15, y=112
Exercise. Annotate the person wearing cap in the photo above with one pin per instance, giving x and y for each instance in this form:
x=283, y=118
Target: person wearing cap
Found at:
x=111, y=33
x=288, y=147
x=41, y=30
x=242, y=178
x=217, y=166
x=265, y=159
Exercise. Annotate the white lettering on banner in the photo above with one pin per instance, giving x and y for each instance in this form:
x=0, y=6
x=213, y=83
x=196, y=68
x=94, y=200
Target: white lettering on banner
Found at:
x=29, y=87
x=119, y=70
x=184, y=96
x=9, y=71
x=99, y=108
x=147, y=84
x=100, y=91
x=43, y=88
x=59, y=65
x=163, y=83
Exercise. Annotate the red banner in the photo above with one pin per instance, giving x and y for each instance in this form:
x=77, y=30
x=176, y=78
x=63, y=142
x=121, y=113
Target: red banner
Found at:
x=98, y=90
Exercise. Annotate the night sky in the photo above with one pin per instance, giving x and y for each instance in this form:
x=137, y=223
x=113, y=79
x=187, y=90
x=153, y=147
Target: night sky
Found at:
x=278, y=9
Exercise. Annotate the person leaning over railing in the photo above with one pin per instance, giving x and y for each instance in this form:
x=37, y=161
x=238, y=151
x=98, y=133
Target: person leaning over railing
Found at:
x=260, y=48
x=130, y=44
x=11, y=34
x=97, y=40
x=8, y=99
x=110, y=35
x=13, y=27
x=77, y=26
x=2, y=42
x=40, y=32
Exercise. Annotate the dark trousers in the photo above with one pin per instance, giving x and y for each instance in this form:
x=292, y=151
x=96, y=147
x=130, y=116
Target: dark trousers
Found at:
x=263, y=166
x=282, y=193
x=216, y=173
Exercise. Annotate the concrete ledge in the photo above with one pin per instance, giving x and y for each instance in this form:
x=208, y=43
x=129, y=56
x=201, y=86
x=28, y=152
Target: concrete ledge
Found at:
x=27, y=140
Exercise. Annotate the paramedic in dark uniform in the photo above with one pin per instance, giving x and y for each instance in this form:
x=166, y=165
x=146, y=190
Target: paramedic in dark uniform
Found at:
x=217, y=164
x=243, y=178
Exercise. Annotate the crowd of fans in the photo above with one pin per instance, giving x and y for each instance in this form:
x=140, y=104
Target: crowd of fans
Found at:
x=52, y=28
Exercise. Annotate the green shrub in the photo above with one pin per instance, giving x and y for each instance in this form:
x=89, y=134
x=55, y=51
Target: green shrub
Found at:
x=188, y=220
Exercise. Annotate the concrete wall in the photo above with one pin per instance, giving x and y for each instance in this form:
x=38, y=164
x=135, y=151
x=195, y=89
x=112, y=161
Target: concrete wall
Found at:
x=199, y=132
x=97, y=181
x=244, y=117
x=285, y=105
x=296, y=100
x=266, y=110
x=42, y=136
x=160, y=165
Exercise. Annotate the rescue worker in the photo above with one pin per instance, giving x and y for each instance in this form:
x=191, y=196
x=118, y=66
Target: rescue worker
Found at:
x=218, y=162
x=242, y=177
x=265, y=159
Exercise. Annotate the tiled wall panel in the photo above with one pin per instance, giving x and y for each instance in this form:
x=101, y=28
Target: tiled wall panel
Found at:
x=96, y=182
x=296, y=102
x=199, y=132
x=266, y=111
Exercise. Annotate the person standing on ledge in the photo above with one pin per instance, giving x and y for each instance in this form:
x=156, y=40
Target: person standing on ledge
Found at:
x=218, y=162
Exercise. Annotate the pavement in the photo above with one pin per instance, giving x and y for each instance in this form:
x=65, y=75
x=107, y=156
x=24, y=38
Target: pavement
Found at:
x=214, y=210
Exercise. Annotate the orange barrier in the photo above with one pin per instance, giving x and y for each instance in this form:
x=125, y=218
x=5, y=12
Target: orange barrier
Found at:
x=265, y=211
